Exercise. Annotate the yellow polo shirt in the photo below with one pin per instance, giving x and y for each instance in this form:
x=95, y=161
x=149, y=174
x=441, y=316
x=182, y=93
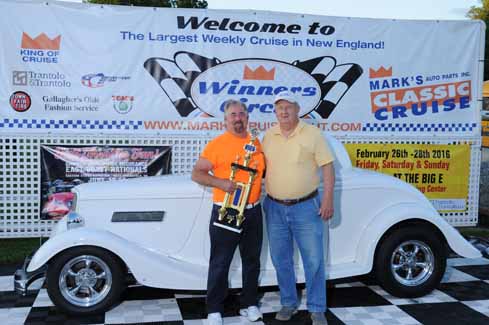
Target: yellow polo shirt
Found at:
x=293, y=162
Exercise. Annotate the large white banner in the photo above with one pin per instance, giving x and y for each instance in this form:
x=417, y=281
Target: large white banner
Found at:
x=104, y=69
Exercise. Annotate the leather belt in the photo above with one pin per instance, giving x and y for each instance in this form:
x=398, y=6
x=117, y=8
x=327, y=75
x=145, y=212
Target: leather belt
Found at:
x=248, y=206
x=294, y=201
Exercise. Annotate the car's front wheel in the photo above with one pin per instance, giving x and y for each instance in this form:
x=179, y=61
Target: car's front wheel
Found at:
x=410, y=261
x=85, y=280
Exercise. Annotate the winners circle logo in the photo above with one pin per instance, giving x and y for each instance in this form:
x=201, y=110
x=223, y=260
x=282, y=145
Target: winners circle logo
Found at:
x=255, y=83
x=20, y=101
x=199, y=85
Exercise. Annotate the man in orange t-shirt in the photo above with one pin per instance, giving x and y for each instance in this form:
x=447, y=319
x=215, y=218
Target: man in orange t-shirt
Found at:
x=213, y=169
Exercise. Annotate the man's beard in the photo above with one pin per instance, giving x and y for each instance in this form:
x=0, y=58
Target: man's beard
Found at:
x=238, y=127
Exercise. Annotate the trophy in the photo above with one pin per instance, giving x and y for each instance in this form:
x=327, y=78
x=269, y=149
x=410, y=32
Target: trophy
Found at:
x=231, y=213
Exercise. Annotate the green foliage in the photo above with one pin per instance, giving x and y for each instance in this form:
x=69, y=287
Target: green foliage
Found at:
x=191, y=3
x=482, y=13
x=155, y=3
x=13, y=251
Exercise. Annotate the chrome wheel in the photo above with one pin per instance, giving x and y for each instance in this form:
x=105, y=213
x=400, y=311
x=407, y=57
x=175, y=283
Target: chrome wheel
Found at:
x=412, y=263
x=85, y=280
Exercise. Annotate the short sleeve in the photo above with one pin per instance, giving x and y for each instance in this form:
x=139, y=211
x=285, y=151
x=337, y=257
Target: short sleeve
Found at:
x=322, y=154
x=210, y=154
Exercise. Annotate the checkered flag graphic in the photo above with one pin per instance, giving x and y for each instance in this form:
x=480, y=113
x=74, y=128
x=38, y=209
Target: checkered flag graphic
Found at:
x=334, y=80
x=176, y=77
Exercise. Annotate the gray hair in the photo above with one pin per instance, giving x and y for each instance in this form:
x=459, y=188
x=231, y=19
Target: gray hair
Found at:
x=233, y=102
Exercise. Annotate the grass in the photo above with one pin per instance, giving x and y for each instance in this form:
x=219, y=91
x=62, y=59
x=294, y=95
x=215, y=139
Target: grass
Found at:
x=475, y=231
x=14, y=250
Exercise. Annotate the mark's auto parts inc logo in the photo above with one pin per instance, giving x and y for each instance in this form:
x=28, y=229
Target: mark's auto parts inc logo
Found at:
x=40, y=49
x=399, y=97
x=197, y=84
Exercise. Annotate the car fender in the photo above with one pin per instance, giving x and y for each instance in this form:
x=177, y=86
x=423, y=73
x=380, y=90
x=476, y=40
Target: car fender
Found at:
x=148, y=266
x=402, y=212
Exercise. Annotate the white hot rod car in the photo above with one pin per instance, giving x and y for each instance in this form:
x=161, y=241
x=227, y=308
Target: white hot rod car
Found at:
x=156, y=229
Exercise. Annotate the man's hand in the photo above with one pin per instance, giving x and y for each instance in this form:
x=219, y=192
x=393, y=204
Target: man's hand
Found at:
x=326, y=210
x=226, y=185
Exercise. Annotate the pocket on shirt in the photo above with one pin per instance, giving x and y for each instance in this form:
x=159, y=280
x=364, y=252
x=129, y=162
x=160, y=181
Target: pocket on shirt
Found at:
x=304, y=154
x=294, y=154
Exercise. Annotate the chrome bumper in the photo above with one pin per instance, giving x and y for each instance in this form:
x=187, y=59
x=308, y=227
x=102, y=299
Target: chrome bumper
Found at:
x=482, y=244
x=23, y=279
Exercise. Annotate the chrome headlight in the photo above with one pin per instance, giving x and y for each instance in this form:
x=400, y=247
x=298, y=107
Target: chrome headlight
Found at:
x=74, y=220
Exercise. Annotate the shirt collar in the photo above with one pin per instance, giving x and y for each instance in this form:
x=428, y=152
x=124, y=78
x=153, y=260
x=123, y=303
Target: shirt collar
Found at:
x=229, y=134
x=276, y=128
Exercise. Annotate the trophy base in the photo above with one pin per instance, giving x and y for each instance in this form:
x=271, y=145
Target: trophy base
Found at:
x=231, y=226
x=228, y=226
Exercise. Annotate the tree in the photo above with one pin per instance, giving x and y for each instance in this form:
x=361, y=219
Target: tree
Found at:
x=155, y=3
x=482, y=13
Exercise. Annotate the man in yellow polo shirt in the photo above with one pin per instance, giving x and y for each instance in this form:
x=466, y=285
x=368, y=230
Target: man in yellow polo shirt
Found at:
x=213, y=169
x=294, y=153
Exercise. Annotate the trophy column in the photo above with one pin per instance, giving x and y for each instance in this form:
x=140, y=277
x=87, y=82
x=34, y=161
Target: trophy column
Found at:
x=231, y=213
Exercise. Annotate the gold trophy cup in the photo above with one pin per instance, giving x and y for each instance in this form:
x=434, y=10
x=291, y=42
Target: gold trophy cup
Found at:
x=231, y=213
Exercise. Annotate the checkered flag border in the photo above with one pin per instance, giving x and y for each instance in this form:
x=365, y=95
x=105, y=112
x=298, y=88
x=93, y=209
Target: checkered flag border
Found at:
x=418, y=127
x=70, y=124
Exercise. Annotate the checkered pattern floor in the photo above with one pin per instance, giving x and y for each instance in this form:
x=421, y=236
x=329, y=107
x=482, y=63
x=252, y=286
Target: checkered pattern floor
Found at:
x=461, y=298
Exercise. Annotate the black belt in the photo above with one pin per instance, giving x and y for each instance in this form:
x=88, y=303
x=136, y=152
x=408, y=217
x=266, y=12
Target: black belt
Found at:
x=294, y=201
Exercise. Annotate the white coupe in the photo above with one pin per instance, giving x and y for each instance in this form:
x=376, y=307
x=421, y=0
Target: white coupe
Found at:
x=156, y=229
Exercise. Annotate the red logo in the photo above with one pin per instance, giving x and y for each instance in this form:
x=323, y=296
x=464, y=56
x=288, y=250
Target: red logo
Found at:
x=20, y=101
x=380, y=73
x=41, y=42
x=259, y=73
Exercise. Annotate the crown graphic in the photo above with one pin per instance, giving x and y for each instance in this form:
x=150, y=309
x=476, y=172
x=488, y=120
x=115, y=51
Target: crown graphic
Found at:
x=380, y=73
x=41, y=42
x=259, y=73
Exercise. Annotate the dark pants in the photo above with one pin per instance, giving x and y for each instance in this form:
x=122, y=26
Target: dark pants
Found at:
x=223, y=246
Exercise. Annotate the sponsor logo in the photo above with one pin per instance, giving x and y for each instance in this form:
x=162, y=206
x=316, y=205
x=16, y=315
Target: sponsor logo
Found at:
x=71, y=103
x=319, y=83
x=41, y=49
x=417, y=95
x=20, y=101
x=19, y=78
x=123, y=104
x=259, y=74
x=40, y=79
x=380, y=73
x=97, y=80
x=256, y=86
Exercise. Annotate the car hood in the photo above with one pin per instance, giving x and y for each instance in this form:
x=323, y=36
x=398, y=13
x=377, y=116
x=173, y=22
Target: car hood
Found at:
x=168, y=186
x=363, y=178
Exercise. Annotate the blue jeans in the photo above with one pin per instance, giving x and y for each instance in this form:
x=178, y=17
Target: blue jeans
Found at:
x=302, y=223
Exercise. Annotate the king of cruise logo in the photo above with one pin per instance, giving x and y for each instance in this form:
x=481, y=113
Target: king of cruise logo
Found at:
x=40, y=49
x=198, y=85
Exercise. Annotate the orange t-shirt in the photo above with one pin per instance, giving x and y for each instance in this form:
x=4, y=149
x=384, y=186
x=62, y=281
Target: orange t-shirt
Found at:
x=222, y=151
